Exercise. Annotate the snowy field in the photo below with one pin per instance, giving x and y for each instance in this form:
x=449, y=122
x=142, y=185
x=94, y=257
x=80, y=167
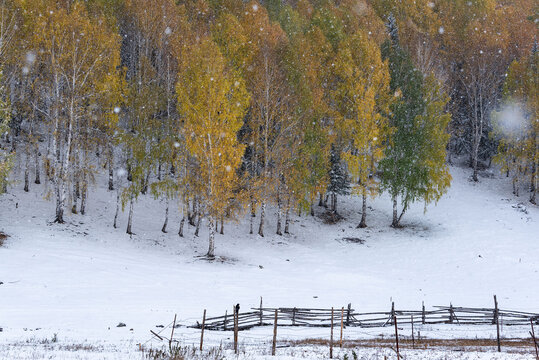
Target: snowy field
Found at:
x=81, y=279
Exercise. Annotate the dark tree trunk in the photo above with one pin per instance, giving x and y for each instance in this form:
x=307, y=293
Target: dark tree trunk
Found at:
x=164, y=228
x=363, y=223
x=130, y=217
x=199, y=220
x=115, y=225
x=27, y=173
x=38, y=172
x=222, y=232
x=395, y=222
x=262, y=218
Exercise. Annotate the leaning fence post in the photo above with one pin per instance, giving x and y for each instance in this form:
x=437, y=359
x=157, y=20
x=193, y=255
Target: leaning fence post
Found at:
x=495, y=314
x=172, y=333
x=235, y=329
x=260, y=322
x=497, y=318
x=274, y=335
x=342, y=325
x=532, y=333
x=392, y=312
x=413, y=339
x=396, y=336
x=331, y=337
x=202, y=332
x=423, y=312
x=348, y=314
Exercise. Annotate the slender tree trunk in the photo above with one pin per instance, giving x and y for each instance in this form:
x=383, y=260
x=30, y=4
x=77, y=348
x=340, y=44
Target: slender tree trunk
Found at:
x=363, y=223
x=312, y=209
x=27, y=173
x=38, y=173
x=279, y=215
x=326, y=198
x=321, y=201
x=182, y=222
x=84, y=195
x=146, y=183
x=111, y=169
x=164, y=228
x=129, y=172
x=199, y=220
x=211, y=248
x=185, y=213
x=222, y=232
x=76, y=193
x=115, y=225
x=130, y=217
x=252, y=217
x=395, y=222
x=287, y=217
x=59, y=203
x=262, y=218
x=533, y=178
x=191, y=216
x=335, y=203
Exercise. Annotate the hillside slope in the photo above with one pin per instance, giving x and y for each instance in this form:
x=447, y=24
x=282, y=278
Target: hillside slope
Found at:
x=82, y=278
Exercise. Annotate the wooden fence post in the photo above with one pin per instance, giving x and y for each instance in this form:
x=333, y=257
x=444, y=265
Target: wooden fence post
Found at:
x=348, y=314
x=392, y=312
x=413, y=339
x=495, y=314
x=235, y=330
x=532, y=333
x=260, y=322
x=342, y=325
x=294, y=316
x=224, y=322
x=331, y=337
x=396, y=336
x=274, y=335
x=423, y=312
x=497, y=318
x=202, y=332
x=450, y=313
x=172, y=333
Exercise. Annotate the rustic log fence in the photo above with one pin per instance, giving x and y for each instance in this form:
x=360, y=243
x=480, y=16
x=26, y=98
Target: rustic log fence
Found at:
x=315, y=317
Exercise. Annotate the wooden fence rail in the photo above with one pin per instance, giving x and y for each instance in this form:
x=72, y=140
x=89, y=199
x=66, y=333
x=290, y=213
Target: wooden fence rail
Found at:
x=322, y=317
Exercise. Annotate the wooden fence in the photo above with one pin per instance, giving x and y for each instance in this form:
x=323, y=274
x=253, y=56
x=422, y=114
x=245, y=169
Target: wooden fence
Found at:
x=262, y=316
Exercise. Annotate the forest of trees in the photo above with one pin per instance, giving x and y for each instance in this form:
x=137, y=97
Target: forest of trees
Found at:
x=232, y=107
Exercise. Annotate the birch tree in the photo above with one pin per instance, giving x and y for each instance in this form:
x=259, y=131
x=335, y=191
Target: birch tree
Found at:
x=212, y=100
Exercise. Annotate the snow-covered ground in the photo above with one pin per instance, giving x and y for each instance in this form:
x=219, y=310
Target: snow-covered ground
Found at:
x=80, y=279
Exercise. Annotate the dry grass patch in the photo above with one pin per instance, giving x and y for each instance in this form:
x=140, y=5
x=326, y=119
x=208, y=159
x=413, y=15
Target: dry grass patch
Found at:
x=520, y=346
x=3, y=238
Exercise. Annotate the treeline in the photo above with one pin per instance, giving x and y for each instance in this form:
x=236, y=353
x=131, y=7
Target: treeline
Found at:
x=226, y=107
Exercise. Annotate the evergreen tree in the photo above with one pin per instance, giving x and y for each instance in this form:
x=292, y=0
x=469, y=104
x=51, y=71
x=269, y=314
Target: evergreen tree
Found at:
x=339, y=182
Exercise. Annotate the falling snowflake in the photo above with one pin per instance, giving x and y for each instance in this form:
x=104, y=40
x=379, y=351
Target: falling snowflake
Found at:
x=117, y=110
x=168, y=31
x=441, y=30
x=255, y=7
